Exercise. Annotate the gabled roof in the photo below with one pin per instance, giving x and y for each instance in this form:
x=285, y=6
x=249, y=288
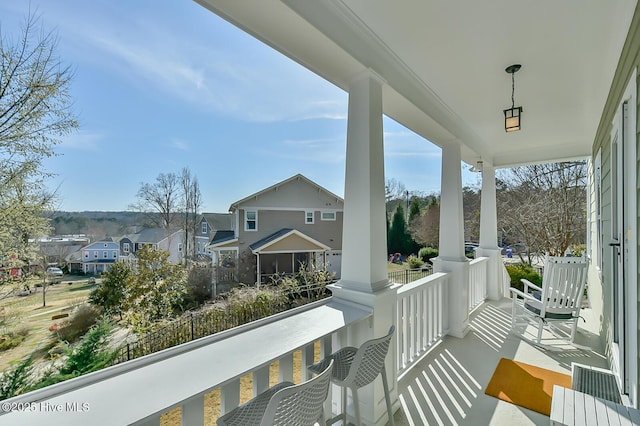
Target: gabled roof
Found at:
x=101, y=242
x=298, y=242
x=235, y=205
x=222, y=237
x=219, y=221
x=148, y=235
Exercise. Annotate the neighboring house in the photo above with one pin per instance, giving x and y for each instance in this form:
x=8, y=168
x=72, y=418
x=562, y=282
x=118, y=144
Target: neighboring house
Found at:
x=158, y=238
x=57, y=249
x=99, y=256
x=208, y=226
x=278, y=229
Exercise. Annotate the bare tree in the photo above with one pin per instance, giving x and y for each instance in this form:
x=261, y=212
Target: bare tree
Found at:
x=394, y=189
x=425, y=228
x=161, y=201
x=543, y=206
x=191, y=203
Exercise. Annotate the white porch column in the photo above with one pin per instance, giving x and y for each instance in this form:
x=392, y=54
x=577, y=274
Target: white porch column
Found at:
x=258, y=274
x=364, y=277
x=489, y=233
x=451, y=256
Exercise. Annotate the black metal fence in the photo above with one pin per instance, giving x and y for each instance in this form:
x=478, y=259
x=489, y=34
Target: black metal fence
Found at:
x=406, y=276
x=214, y=320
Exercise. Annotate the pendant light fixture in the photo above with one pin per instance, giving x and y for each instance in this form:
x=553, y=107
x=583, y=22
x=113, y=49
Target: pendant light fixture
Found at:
x=513, y=115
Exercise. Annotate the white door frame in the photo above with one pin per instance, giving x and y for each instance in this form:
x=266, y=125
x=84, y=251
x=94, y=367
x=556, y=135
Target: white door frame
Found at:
x=624, y=243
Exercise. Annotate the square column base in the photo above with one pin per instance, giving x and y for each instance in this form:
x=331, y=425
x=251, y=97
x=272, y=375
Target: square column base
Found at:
x=495, y=285
x=458, y=294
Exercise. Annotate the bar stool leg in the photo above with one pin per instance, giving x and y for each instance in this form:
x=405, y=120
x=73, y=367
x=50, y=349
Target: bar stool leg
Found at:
x=385, y=385
x=344, y=404
x=356, y=406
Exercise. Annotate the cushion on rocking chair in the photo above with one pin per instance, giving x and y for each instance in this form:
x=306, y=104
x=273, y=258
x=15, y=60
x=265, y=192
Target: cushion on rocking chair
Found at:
x=550, y=315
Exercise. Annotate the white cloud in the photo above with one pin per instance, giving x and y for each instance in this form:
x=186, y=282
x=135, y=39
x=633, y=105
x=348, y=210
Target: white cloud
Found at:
x=408, y=144
x=242, y=78
x=83, y=141
x=324, y=151
x=180, y=144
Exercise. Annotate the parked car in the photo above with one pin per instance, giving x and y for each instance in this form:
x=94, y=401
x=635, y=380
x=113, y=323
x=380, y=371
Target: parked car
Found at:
x=470, y=247
x=55, y=272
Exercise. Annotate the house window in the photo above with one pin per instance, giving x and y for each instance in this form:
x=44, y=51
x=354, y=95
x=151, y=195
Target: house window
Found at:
x=115, y=254
x=179, y=247
x=204, y=227
x=95, y=254
x=125, y=247
x=86, y=254
x=251, y=220
x=105, y=254
x=308, y=217
x=328, y=216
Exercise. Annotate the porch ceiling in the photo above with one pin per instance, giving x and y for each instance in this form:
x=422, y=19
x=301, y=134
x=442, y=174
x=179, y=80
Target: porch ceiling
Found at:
x=443, y=63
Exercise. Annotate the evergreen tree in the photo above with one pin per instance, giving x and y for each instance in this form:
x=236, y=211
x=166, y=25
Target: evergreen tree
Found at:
x=399, y=239
x=112, y=293
x=414, y=209
x=157, y=289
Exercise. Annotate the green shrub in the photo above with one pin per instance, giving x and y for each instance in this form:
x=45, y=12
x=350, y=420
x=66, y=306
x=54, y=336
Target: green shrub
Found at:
x=428, y=253
x=91, y=354
x=13, y=338
x=415, y=262
x=517, y=271
x=16, y=381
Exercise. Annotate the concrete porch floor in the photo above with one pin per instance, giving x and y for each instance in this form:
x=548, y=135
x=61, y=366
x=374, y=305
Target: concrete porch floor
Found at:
x=447, y=386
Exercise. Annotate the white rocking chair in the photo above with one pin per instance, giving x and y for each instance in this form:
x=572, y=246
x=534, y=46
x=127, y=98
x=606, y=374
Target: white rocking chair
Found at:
x=559, y=299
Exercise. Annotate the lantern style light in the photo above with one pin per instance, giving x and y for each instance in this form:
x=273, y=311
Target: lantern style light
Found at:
x=513, y=115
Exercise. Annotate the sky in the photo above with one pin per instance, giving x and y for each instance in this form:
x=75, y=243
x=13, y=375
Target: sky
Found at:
x=164, y=84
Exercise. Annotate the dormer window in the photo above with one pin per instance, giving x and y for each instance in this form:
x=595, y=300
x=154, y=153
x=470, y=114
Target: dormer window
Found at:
x=204, y=227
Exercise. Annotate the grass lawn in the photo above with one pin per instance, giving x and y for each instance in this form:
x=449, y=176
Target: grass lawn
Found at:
x=19, y=312
x=392, y=267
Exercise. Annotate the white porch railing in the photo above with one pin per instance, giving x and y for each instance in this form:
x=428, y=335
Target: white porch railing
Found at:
x=420, y=323
x=139, y=391
x=477, y=281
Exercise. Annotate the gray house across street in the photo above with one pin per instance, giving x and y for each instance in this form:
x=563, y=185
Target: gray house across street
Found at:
x=278, y=229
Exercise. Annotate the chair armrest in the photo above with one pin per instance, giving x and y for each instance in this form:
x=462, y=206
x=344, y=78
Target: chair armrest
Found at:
x=528, y=284
x=522, y=294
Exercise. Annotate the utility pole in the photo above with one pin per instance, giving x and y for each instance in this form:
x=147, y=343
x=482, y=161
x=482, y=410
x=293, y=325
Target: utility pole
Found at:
x=406, y=193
